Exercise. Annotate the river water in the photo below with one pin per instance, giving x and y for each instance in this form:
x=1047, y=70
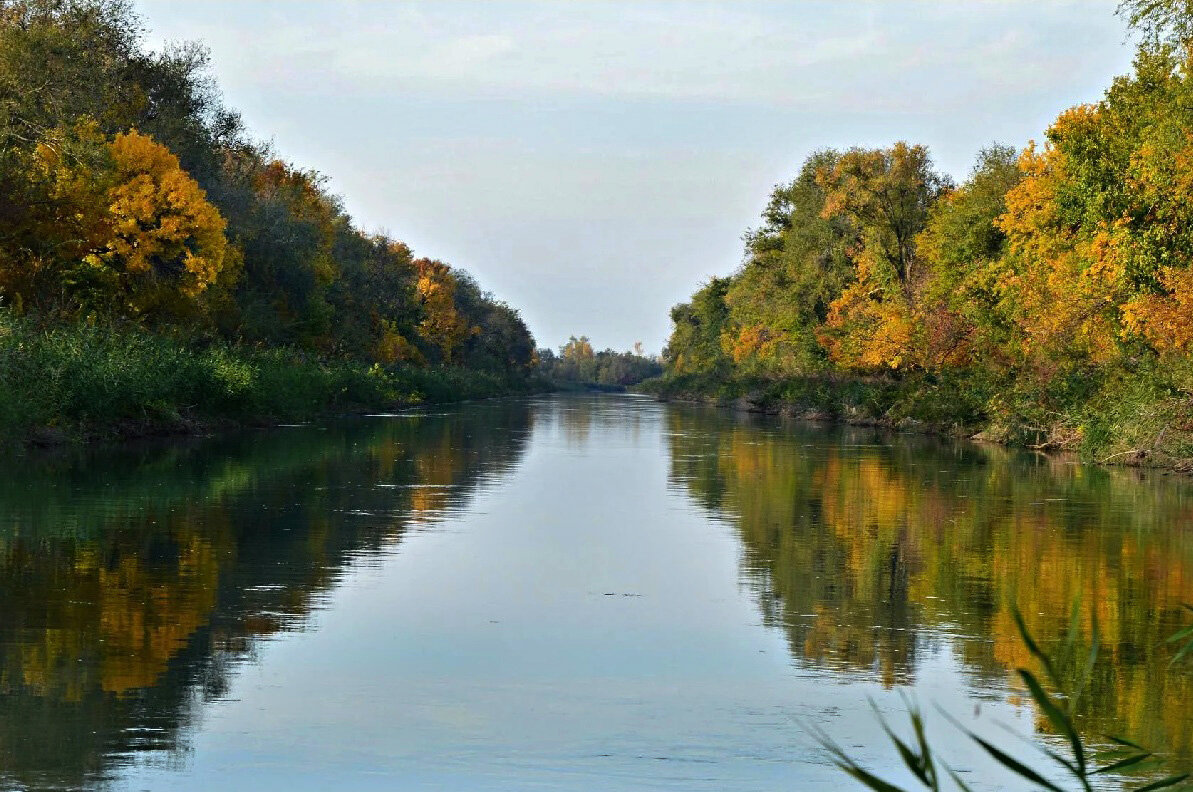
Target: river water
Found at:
x=565, y=593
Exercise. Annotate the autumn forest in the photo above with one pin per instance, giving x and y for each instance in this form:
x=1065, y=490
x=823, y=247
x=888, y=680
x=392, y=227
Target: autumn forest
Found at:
x=285, y=504
x=1047, y=300
x=153, y=255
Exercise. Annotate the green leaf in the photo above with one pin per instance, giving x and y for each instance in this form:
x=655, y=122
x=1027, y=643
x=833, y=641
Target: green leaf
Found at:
x=964, y=787
x=1054, y=756
x=869, y=779
x=1184, y=651
x=847, y=764
x=1126, y=742
x=1162, y=783
x=920, y=764
x=1121, y=763
x=1042, y=748
x=1180, y=635
x=1014, y=764
x=1060, y=721
x=1034, y=648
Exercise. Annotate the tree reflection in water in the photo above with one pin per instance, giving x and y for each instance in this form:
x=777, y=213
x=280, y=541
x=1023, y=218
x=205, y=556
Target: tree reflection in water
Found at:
x=133, y=584
x=867, y=550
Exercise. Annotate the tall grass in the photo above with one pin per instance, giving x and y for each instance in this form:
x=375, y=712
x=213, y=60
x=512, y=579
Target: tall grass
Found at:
x=1056, y=693
x=1141, y=414
x=103, y=379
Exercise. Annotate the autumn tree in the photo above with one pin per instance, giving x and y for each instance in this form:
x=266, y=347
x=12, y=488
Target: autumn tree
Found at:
x=960, y=317
x=129, y=191
x=1100, y=228
x=53, y=214
x=577, y=349
x=442, y=326
x=120, y=227
x=887, y=195
x=797, y=263
x=167, y=241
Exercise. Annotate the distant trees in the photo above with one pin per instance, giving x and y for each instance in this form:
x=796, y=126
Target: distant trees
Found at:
x=577, y=363
x=129, y=192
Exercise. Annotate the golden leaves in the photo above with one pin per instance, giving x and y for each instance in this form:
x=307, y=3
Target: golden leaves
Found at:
x=1165, y=320
x=120, y=225
x=164, y=233
x=442, y=324
x=393, y=347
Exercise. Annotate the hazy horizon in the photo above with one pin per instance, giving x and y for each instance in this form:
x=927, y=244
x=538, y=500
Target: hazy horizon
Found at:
x=592, y=163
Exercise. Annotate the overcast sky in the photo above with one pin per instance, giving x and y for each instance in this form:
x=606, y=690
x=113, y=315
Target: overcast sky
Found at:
x=593, y=162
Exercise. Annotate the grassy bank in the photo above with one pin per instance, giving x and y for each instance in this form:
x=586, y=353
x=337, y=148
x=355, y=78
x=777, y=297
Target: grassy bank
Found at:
x=81, y=382
x=1136, y=417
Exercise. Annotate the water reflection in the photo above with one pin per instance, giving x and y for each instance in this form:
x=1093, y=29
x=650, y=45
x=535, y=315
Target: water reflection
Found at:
x=592, y=623
x=132, y=584
x=867, y=550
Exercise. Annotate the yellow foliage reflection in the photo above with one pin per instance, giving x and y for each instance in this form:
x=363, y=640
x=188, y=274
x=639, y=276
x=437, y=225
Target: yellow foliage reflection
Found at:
x=867, y=550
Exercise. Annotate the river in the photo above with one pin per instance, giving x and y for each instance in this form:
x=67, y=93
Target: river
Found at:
x=564, y=593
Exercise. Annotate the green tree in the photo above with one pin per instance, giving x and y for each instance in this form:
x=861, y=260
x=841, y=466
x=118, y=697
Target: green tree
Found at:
x=797, y=264
x=887, y=194
x=695, y=346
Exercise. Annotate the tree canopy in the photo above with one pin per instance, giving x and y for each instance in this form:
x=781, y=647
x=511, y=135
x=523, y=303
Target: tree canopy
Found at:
x=129, y=192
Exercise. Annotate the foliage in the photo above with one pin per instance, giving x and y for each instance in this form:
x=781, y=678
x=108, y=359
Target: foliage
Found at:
x=442, y=326
x=1052, y=291
x=1183, y=638
x=577, y=364
x=887, y=196
x=131, y=197
x=797, y=265
x=1160, y=22
x=167, y=242
x=696, y=345
x=1058, y=707
x=99, y=379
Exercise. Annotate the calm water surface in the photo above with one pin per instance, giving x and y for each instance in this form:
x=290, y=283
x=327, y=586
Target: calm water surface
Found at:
x=567, y=593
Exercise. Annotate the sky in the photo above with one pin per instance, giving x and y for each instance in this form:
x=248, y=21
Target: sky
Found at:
x=592, y=163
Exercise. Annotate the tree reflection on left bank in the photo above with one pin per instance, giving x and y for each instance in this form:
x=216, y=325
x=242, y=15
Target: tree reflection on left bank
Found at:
x=134, y=583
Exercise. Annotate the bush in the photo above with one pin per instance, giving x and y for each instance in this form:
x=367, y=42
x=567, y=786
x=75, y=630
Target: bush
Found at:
x=87, y=379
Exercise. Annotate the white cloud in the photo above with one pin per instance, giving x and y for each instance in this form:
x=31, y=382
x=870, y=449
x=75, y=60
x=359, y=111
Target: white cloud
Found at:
x=819, y=55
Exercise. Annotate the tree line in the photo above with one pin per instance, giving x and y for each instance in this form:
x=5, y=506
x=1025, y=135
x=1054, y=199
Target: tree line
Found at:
x=130, y=194
x=1048, y=296
x=577, y=364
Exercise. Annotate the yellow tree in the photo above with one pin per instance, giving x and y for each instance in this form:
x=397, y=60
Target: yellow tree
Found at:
x=166, y=243
x=887, y=195
x=54, y=215
x=114, y=225
x=1068, y=284
x=442, y=325
x=577, y=349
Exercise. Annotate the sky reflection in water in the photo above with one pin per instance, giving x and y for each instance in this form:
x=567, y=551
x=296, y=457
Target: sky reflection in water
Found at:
x=569, y=593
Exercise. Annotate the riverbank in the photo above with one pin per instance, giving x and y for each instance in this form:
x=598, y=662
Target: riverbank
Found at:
x=81, y=383
x=1137, y=422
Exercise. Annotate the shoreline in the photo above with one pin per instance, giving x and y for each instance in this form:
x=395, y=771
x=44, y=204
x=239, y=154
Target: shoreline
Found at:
x=797, y=411
x=48, y=439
